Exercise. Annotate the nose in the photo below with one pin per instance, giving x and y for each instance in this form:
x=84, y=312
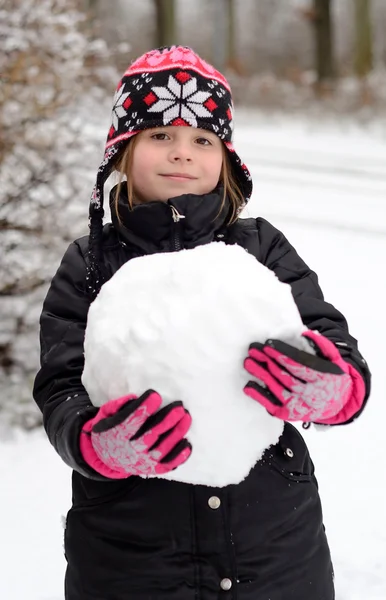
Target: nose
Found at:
x=180, y=152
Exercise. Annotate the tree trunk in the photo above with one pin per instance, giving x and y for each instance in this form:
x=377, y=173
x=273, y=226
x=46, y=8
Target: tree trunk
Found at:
x=219, y=36
x=363, y=44
x=231, y=37
x=324, y=54
x=166, y=22
x=224, y=36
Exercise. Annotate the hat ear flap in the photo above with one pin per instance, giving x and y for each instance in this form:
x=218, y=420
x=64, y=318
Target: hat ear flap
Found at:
x=240, y=171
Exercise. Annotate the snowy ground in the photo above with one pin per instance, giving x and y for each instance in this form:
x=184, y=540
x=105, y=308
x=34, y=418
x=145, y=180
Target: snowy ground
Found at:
x=326, y=188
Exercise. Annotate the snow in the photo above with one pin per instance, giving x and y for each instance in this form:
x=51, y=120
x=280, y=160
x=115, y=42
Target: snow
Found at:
x=337, y=223
x=149, y=343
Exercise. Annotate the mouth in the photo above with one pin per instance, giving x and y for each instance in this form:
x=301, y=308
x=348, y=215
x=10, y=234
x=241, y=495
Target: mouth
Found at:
x=178, y=176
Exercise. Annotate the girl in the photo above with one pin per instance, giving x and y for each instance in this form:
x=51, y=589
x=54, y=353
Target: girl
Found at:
x=133, y=538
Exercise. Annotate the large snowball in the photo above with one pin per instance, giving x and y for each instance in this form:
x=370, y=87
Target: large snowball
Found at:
x=181, y=323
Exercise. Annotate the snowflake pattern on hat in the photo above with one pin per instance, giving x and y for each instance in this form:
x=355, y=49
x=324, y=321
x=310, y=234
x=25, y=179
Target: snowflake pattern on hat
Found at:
x=181, y=99
x=172, y=98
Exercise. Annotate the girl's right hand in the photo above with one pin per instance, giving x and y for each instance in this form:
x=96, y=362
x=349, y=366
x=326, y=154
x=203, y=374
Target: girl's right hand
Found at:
x=130, y=436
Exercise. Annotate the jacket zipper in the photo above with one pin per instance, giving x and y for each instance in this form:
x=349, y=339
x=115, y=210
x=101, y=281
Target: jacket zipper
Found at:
x=176, y=244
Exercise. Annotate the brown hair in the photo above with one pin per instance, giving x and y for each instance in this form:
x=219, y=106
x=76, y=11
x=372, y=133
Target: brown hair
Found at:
x=231, y=188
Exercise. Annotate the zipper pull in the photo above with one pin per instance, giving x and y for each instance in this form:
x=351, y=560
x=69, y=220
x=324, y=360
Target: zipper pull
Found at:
x=176, y=215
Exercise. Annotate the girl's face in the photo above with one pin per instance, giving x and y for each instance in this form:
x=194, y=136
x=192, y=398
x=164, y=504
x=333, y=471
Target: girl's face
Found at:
x=171, y=161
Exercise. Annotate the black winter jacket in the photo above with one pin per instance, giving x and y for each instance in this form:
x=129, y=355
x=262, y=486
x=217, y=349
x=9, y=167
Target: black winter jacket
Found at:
x=152, y=539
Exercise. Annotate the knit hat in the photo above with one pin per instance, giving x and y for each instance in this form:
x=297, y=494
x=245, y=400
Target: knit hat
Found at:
x=166, y=86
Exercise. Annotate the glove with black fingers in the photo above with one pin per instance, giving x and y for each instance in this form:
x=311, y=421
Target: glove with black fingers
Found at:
x=294, y=385
x=133, y=436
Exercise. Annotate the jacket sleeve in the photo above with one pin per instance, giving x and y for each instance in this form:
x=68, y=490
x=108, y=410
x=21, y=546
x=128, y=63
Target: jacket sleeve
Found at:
x=279, y=256
x=58, y=390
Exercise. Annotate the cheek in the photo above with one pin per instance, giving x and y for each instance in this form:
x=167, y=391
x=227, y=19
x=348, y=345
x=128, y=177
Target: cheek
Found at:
x=213, y=168
x=137, y=171
x=141, y=173
x=139, y=178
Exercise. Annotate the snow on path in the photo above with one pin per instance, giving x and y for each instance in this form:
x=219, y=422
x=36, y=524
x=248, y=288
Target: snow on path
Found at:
x=35, y=493
x=316, y=176
x=337, y=221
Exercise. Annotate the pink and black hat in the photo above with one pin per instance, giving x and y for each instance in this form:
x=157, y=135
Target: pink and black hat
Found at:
x=167, y=86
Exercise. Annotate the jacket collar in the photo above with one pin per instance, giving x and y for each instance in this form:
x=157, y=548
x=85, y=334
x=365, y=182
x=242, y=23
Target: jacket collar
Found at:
x=182, y=222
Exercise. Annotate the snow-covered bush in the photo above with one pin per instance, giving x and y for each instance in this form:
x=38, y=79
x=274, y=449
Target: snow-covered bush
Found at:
x=52, y=96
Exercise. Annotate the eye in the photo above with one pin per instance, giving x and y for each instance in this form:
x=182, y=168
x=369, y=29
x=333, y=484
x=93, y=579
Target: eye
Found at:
x=203, y=141
x=159, y=136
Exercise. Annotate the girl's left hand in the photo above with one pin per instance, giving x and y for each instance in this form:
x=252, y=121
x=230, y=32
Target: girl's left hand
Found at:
x=296, y=386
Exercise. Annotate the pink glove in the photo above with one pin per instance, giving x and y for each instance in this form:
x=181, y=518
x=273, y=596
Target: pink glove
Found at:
x=296, y=386
x=129, y=437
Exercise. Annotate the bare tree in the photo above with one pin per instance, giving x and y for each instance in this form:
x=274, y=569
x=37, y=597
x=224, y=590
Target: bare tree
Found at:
x=324, y=53
x=166, y=22
x=319, y=14
x=224, y=35
x=232, y=60
x=363, y=39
